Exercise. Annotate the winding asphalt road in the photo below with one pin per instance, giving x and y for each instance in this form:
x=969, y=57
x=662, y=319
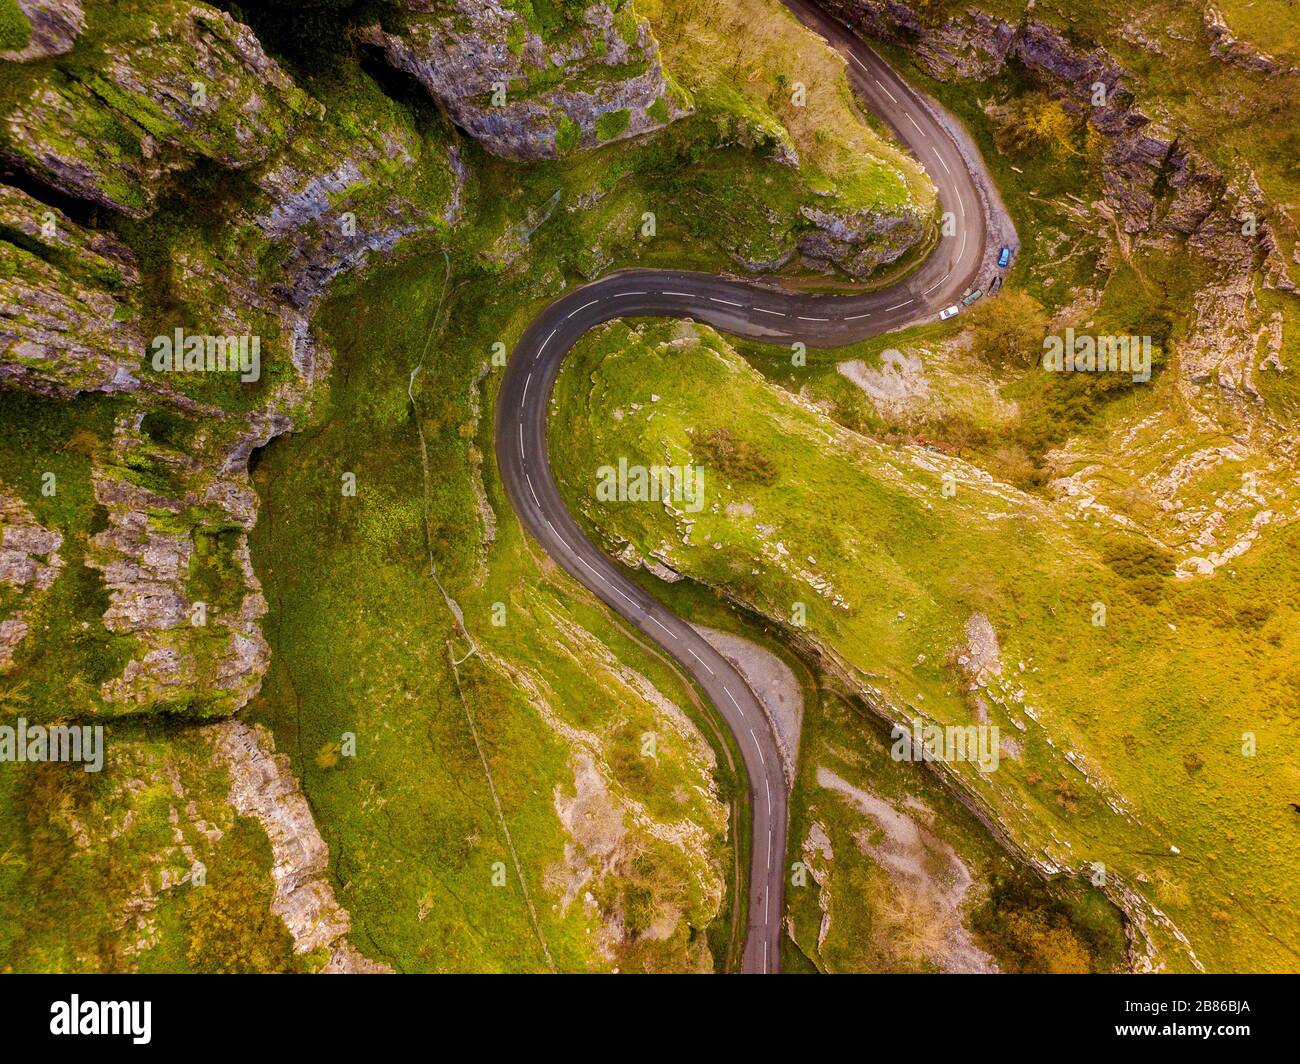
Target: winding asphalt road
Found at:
x=761, y=312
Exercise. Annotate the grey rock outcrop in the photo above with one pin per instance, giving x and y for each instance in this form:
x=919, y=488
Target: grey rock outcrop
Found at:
x=71, y=303
x=326, y=194
x=29, y=564
x=206, y=662
x=597, y=79
x=858, y=241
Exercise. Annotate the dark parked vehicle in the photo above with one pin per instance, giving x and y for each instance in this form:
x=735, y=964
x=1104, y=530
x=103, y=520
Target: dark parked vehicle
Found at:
x=970, y=297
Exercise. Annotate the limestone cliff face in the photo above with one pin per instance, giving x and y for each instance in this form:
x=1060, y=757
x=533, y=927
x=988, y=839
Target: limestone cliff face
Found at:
x=264, y=787
x=183, y=83
x=65, y=304
x=528, y=93
x=118, y=128
x=321, y=192
x=335, y=196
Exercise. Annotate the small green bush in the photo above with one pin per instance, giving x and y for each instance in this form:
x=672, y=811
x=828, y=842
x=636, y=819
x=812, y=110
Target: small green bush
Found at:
x=613, y=123
x=567, y=135
x=15, y=30
x=734, y=457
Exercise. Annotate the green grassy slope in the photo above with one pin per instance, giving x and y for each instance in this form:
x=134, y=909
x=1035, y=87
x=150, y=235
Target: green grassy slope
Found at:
x=1151, y=708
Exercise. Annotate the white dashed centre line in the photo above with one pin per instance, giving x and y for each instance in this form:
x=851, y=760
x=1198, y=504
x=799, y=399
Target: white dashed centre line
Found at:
x=582, y=308
x=661, y=625
x=607, y=583
x=701, y=661
x=733, y=701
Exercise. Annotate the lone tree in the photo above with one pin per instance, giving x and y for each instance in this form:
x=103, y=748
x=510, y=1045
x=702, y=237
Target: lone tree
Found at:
x=1008, y=330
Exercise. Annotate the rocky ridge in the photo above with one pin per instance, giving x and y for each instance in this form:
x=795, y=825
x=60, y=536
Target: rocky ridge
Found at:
x=264, y=787
x=1228, y=47
x=529, y=92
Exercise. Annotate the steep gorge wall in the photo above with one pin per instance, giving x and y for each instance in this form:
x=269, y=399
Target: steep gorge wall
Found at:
x=526, y=91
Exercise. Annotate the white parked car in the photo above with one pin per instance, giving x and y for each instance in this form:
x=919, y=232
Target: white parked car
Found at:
x=949, y=312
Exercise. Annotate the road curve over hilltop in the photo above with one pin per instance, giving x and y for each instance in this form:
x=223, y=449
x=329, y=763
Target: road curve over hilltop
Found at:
x=761, y=312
